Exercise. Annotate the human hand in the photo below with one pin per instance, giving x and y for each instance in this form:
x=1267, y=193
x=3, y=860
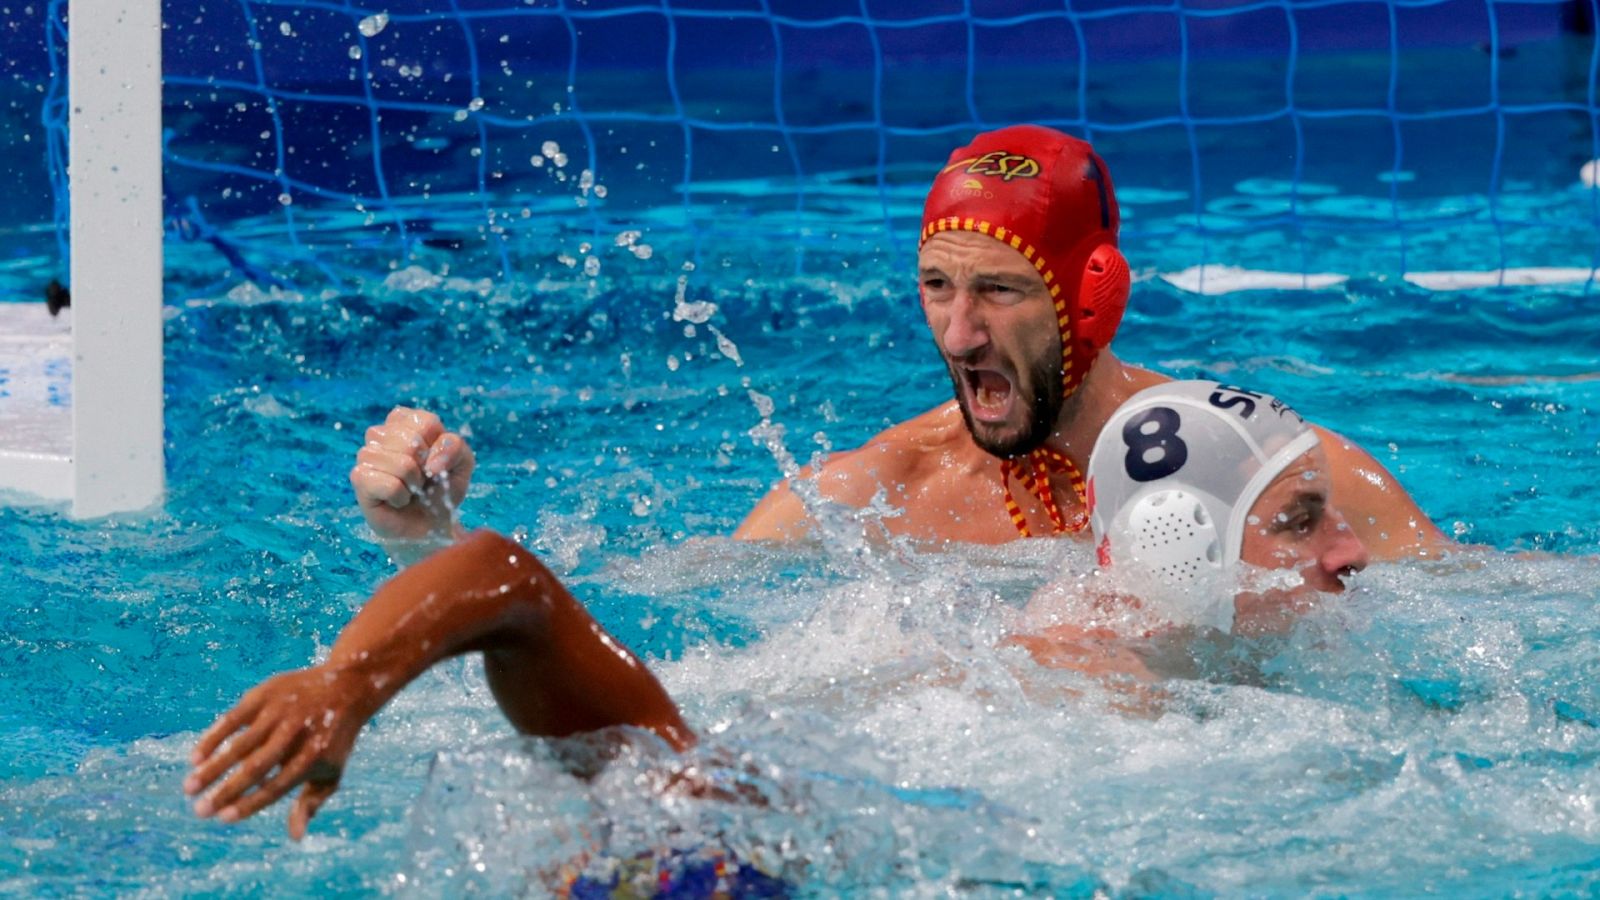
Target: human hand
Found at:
x=298, y=727
x=411, y=476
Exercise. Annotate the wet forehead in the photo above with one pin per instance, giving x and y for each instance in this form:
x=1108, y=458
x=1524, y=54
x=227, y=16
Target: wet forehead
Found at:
x=1306, y=475
x=958, y=253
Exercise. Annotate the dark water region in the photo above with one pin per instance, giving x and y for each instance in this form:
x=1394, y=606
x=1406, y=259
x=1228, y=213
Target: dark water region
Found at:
x=1342, y=152
x=28, y=248
x=1336, y=119
x=1323, y=171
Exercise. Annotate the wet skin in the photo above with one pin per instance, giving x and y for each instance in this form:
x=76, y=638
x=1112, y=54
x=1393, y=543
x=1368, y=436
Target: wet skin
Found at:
x=1295, y=524
x=994, y=323
x=553, y=671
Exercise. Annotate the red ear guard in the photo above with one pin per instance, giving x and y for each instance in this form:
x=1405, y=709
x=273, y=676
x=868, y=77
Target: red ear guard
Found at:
x=1102, y=298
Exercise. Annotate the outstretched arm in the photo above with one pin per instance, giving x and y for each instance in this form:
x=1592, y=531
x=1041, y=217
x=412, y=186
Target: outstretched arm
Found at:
x=552, y=668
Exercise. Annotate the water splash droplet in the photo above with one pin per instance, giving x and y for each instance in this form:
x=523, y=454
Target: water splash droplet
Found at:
x=373, y=24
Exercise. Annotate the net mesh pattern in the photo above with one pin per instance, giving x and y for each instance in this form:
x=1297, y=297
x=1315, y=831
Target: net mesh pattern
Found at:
x=464, y=122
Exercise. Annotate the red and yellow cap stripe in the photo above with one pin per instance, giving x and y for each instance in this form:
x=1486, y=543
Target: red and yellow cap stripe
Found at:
x=1070, y=378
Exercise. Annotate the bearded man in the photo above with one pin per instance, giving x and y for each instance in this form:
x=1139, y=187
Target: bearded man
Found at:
x=1023, y=287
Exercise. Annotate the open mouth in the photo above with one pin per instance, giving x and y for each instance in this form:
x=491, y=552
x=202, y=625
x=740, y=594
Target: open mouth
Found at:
x=992, y=394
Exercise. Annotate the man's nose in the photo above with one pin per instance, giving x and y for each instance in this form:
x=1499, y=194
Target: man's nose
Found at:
x=966, y=332
x=1344, y=553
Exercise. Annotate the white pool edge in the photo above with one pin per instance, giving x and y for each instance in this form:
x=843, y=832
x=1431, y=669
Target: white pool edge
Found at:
x=47, y=476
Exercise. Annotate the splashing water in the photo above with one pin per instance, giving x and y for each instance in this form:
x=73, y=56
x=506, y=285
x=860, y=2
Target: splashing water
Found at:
x=1434, y=729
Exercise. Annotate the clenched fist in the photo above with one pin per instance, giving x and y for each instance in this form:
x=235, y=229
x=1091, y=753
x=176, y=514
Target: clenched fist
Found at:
x=410, y=477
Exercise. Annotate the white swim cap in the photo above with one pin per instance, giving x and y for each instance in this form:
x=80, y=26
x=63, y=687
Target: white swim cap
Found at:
x=1171, y=481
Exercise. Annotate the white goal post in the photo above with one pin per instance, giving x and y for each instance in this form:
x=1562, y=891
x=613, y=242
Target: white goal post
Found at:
x=116, y=463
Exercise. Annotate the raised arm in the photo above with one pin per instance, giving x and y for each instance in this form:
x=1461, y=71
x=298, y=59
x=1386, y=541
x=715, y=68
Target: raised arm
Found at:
x=552, y=668
x=409, y=479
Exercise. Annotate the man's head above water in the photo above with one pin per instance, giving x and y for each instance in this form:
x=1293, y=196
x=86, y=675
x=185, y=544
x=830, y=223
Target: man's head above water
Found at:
x=1023, y=289
x=1020, y=278
x=1191, y=482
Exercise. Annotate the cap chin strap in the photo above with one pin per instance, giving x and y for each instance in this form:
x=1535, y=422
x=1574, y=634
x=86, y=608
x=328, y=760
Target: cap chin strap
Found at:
x=1034, y=472
x=1105, y=285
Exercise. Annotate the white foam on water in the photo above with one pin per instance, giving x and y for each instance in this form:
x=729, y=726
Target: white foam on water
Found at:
x=901, y=748
x=1212, y=279
x=1514, y=277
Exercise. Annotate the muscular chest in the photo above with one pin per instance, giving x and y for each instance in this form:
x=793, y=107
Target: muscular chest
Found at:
x=969, y=506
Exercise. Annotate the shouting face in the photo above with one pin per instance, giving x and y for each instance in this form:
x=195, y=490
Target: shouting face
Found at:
x=995, y=325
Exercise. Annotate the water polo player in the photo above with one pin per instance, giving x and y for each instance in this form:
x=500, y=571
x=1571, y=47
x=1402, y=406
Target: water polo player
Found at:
x=1211, y=506
x=1023, y=288
x=1194, y=483
x=1189, y=481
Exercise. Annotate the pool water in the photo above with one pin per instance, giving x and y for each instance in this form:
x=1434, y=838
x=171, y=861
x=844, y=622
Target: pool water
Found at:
x=1436, y=729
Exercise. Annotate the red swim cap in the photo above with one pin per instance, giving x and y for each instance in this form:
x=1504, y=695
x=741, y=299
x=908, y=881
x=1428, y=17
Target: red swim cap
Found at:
x=1048, y=196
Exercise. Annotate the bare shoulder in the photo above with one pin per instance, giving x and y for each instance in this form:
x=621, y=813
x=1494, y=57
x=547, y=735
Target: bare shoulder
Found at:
x=896, y=461
x=1376, y=505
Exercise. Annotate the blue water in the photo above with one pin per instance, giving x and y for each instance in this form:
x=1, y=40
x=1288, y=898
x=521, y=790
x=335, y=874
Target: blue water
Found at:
x=1435, y=730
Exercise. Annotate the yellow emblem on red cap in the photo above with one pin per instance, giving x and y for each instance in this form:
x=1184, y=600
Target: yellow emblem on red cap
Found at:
x=1004, y=163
